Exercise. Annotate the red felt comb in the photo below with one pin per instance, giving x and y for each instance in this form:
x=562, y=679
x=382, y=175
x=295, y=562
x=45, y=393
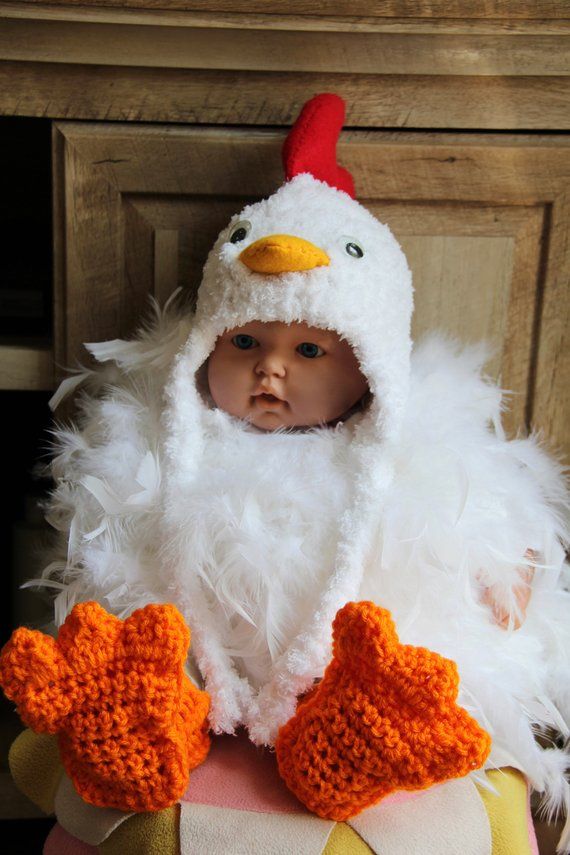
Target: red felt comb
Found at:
x=311, y=143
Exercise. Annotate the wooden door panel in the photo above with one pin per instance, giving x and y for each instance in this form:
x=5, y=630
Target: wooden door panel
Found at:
x=482, y=218
x=167, y=240
x=475, y=272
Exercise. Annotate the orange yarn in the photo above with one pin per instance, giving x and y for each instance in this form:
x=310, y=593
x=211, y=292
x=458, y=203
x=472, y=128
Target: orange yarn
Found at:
x=383, y=718
x=131, y=725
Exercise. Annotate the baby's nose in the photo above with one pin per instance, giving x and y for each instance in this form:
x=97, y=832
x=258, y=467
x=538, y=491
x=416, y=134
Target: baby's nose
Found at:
x=271, y=363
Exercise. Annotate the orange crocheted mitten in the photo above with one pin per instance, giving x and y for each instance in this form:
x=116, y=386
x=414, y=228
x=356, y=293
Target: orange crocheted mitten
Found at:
x=383, y=718
x=130, y=723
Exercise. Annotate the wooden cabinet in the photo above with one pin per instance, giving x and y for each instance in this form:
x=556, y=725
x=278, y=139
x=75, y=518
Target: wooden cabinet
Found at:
x=167, y=121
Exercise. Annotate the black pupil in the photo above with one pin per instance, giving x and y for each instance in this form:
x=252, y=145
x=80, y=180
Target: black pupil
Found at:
x=309, y=349
x=244, y=341
x=354, y=249
x=238, y=235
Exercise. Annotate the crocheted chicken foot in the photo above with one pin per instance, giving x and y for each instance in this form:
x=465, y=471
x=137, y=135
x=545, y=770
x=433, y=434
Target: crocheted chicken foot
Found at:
x=383, y=718
x=130, y=724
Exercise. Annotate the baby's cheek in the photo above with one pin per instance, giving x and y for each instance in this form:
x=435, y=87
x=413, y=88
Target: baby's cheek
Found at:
x=318, y=395
x=220, y=388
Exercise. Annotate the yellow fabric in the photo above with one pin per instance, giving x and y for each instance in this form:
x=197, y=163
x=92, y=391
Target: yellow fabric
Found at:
x=507, y=812
x=146, y=834
x=343, y=840
x=36, y=768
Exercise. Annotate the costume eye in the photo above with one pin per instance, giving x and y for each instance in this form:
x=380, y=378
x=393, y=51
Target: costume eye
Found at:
x=352, y=247
x=240, y=231
x=243, y=341
x=310, y=350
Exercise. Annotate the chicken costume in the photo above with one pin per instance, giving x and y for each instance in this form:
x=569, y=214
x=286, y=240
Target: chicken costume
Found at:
x=331, y=578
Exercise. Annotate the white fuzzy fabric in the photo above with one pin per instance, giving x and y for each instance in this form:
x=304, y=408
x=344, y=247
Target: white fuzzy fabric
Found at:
x=261, y=527
x=260, y=539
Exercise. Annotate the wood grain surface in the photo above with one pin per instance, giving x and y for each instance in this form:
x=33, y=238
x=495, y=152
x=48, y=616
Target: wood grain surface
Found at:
x=514, y=9
x=126, y=94
x=255, y=49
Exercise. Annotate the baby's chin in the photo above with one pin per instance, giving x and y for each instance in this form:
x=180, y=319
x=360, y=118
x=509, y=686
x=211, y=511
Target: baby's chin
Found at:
x=273, y=421
x=283, y=418
x=280, y=415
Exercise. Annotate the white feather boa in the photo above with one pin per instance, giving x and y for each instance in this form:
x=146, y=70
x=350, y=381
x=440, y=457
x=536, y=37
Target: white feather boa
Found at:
x=464, y=506
x=262, y=529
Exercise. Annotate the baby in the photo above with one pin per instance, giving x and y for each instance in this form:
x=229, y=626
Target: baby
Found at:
x=282, y=470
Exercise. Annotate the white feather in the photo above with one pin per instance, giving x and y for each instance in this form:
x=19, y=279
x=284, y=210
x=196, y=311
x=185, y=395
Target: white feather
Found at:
x=67, y=387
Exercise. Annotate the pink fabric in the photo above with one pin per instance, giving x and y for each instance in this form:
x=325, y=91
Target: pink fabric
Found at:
x=236, y=774
x=530, y=825
x=59, y=842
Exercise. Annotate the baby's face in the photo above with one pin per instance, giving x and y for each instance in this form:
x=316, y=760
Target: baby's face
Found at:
x=284, y=375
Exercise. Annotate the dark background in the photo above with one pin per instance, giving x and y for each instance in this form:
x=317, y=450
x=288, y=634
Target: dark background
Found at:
x=26, y=289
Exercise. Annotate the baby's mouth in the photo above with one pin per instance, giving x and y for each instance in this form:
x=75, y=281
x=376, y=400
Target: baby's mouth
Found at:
x=267, y=398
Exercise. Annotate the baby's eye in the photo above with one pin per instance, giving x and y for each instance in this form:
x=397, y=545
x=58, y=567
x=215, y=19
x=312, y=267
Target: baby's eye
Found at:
x=240, y=231
x=310, y=350
x=244, y=342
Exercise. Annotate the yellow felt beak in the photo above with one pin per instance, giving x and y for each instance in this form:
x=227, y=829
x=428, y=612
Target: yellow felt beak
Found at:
x=283, y=254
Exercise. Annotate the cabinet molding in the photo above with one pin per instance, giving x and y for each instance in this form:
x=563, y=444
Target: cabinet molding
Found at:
x=146, y=64
x=516, y=9
x=171, y=95
x=317, y=50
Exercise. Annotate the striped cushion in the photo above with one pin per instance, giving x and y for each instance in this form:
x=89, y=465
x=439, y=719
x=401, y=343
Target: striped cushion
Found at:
x=236, y=802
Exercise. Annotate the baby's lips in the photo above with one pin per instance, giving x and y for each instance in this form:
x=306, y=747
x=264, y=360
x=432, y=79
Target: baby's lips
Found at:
x=33, y=674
